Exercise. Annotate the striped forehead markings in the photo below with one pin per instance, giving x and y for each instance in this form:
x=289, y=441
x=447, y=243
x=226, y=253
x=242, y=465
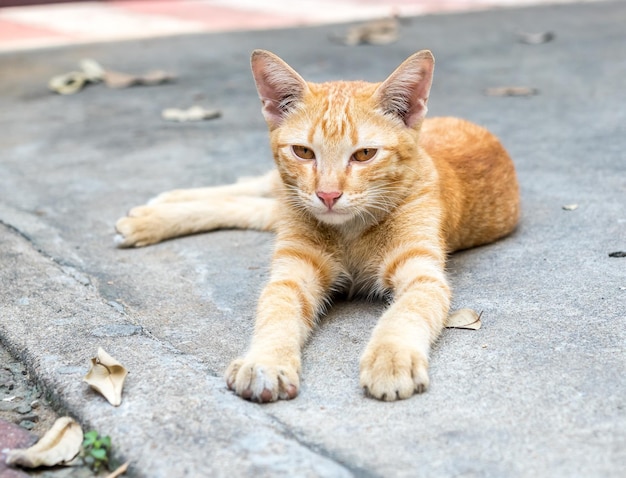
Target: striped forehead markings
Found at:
x=336, y=119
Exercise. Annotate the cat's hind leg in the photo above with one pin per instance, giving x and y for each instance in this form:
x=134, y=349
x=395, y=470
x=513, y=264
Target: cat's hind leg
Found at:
x=145, y=225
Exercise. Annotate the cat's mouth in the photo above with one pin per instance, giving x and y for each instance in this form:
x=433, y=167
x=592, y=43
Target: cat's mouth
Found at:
x=332, y=216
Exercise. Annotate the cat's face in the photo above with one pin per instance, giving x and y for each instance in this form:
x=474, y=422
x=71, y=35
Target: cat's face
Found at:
x=342, y=148
x=338, y=154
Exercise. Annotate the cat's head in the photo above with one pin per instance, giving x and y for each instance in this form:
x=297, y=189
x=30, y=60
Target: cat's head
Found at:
x=345, y=150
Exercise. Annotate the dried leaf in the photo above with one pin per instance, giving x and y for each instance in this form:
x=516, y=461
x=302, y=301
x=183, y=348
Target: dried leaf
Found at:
x=536, y=38
x=68, y=83
x=58, y=446
x=107, y=376
x=92, y=69
x=464, y=319
x=155, y=77
x=119, y=471
x=511, y=91
x=376, y=32
x=570, y=207
x=93, y=72
x=195, y=113
x=116, y=79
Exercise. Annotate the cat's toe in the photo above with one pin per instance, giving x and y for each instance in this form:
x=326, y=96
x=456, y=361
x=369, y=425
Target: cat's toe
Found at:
x=389, y=372
x=231, y=373
x=125, y=233
x=141, y=227
x=262, y=382
x=128, y=233
x=120, y=241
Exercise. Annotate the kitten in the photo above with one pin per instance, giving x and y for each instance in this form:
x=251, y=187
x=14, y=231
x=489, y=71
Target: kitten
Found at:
x=367, y=197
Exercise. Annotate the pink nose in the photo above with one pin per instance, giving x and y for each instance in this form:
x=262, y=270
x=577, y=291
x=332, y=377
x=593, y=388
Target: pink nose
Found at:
x=330, y=199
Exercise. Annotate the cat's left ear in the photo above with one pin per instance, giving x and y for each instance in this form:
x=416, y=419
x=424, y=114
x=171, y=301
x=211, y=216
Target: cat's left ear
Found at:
x=280, y=87
x=405, y=92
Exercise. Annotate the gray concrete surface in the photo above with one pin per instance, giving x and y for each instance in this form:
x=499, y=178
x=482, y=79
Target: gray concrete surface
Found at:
x=538, y=391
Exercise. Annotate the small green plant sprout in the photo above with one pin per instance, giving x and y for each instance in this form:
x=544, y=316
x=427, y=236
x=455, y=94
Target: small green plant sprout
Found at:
x=96, y=451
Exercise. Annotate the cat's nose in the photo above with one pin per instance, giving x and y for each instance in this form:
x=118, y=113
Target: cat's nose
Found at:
x=329, y=198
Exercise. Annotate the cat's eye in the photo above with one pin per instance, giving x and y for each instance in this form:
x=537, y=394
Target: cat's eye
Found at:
x=364, y=154
x=303, y=152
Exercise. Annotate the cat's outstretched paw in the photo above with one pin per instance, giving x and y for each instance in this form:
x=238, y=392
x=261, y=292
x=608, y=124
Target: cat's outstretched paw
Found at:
x=141, y=227
x=175, y=195
x=393, y=372
x=262, y=382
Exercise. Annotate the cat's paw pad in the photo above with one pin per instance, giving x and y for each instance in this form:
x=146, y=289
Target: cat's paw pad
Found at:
x=392, y=372
x=262, y=382
x=141, y=227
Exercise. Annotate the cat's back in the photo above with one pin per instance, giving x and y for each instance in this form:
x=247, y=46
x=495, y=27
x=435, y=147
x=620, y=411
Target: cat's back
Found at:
x=479, y=188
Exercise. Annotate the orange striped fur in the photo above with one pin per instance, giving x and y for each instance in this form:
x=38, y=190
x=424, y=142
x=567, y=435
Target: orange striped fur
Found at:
x=367, y=197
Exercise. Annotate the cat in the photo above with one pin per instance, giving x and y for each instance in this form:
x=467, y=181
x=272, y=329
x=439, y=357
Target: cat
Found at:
x=367, y=197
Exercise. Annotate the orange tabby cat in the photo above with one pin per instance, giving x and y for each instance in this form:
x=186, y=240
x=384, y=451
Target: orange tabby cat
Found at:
x=367, y=197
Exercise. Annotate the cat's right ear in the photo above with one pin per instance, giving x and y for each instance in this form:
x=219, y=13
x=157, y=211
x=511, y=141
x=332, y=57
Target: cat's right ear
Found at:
x=280, y=87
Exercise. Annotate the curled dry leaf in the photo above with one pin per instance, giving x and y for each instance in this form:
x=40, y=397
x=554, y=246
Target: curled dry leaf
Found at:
x=119, y=471
x=58, y=446
x=92, y=69
x=617, y=254
x=74, y=81
x=92, y=72
x=195, y=113
x=376, y=32
x=570, y=207
x=116, y=79
x=107, y=376
x=464, y=319
x=68, y=83
x=511, y=91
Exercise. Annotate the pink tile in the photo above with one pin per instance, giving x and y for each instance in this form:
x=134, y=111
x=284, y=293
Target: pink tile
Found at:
x=214, y=17
x=11, y=31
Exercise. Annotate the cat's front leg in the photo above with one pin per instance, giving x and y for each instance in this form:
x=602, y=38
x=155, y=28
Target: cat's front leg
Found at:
x=258, y=186
x=395, y=362
x=287, y=310
x=145, y=225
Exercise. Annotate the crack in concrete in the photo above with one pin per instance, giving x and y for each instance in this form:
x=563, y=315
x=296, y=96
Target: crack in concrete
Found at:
x=354, y=470
x=67, y=267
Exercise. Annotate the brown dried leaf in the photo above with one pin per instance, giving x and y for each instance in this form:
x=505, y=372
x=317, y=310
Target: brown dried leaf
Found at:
x=155, y=77
x=92, y=70
x=376, y=32
x=511, y=91
x=68, y=83
x=116, y=79
x=119, y=471
x=195, y=113
x=58, y=446
x=107, y=376
x=464, y=319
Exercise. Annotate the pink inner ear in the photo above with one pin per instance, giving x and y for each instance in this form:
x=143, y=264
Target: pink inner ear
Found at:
x=278, y=85
x=405, y=92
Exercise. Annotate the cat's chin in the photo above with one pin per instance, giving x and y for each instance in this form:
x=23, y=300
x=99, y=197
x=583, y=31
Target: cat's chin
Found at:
x=333, y=218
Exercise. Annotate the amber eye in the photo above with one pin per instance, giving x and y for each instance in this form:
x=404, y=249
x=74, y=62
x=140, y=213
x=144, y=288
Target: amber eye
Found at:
x=364, y=154
x=303, y=152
